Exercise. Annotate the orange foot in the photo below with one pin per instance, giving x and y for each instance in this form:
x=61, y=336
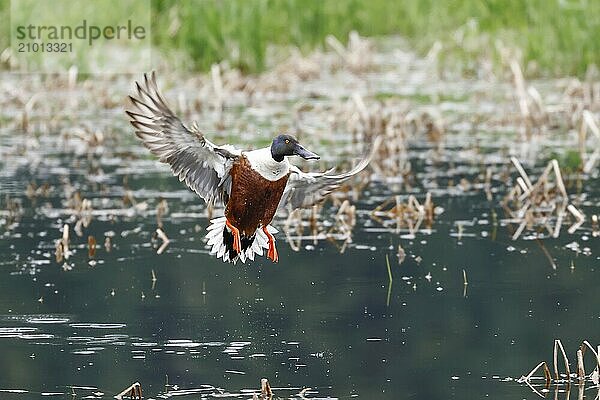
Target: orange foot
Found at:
x=272, y=253
x=236, y=236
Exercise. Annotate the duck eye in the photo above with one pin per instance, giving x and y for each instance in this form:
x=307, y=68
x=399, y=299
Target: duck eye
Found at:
x=287, y=141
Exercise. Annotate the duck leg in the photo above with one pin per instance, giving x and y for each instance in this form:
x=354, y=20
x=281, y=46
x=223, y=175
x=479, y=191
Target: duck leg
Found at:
x=236, y=236
x=272, y=253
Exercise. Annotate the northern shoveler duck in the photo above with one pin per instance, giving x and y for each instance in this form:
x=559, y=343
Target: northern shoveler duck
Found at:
x=251, y=185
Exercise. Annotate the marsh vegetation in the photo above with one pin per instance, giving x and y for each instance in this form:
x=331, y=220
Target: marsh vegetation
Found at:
x=446, y=270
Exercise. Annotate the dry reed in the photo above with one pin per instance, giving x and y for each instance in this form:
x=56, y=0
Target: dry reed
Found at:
x=544, y=203
x=133, y=392
x=566, y=377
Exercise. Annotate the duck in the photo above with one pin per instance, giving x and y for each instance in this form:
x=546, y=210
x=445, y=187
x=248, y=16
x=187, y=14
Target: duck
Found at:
x=251, y=186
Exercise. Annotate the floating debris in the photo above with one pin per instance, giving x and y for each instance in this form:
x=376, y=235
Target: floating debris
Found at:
x=62, y=246
x=165, y=240
x=406, y=215
x=107, y=244
x=13, y=213
x=265, y=391
x=540, y=204
x=81, y=209
x=91, y=246
x=566, y=378
x=345, y=219
x=133, y=392
x=390, y=280
x=337, y=231
x=401, y=254
x=33, y=191
x=588, y=123
x=162, y=208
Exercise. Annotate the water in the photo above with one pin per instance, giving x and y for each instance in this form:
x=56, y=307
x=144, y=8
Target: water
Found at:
x=319, y=323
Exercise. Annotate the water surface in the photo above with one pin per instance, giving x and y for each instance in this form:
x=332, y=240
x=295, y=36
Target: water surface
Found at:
x=183, y=323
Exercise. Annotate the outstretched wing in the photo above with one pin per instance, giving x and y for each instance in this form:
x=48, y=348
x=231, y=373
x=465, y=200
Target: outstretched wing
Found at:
x=203, y=166
x=306, y=189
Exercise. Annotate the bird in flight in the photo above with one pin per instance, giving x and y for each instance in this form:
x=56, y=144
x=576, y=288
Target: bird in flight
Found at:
x=252, y=185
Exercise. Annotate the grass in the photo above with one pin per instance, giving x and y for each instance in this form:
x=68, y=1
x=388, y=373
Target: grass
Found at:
x=5, y=27
x=557, y=37
x=102, y=55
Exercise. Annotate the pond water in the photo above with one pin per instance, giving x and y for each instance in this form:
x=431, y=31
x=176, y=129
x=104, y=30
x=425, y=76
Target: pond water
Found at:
x=319, y=324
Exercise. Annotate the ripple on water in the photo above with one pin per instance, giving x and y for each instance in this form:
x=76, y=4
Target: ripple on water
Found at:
x=144, y=344
x=47, y=320
x=182, y=343
x=234, y=347
x=97, y=326
x=37, y=319
x=204, y=389
x=37, y=336
x=15, y=331
x=85, y=352
x=231, y=371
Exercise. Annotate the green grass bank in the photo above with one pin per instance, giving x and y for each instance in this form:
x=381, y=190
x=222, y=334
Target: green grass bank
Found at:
x=557, y=37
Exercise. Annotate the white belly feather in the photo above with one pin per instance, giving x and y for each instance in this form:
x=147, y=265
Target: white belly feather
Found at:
x=262, y=162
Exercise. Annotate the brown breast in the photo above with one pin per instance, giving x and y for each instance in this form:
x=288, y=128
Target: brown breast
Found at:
x=254, y=199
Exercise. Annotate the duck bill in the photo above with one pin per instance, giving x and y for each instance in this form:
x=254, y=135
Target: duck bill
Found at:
x=307, y=155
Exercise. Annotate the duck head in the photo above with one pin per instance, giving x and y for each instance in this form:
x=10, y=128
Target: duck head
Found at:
x=287, y=145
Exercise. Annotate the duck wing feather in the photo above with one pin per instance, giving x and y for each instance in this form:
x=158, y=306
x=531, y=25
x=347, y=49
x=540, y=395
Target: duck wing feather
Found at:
x=202, y=165
x=306, y=189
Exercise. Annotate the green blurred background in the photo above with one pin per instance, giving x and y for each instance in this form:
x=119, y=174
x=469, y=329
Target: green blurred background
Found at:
x=557, y=37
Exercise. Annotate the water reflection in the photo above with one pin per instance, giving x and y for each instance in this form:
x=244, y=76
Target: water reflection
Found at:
x=324, y=319
x=320, y=320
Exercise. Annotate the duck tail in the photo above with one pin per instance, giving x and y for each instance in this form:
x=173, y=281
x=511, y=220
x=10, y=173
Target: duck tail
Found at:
x=220, y=240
